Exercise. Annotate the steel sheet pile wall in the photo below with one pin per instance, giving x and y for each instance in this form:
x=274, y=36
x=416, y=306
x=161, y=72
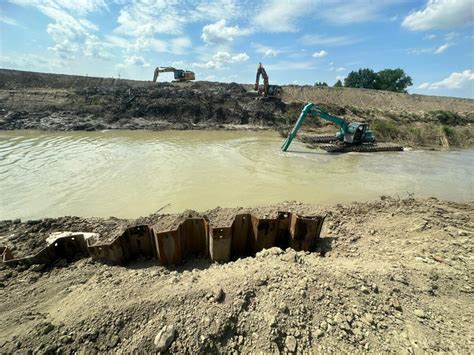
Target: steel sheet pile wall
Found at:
x=245, y=235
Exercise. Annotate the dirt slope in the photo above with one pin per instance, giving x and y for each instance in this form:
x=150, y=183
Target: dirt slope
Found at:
x=390, y=276
x=67, y=102
x=376, y=99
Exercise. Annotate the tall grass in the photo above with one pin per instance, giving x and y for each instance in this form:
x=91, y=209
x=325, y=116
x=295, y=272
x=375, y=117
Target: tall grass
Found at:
x=423, y=134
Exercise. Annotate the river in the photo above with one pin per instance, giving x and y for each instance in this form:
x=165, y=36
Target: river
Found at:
x=133, y=173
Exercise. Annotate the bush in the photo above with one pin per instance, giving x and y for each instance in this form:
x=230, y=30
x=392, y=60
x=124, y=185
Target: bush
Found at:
x=448, y=118
x=426, y=134
x=289, y=117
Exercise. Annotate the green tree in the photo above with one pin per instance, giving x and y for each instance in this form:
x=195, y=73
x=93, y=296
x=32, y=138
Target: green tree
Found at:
x=363, y=78
x=320, y=84
x=392, y=80
x=338, y=84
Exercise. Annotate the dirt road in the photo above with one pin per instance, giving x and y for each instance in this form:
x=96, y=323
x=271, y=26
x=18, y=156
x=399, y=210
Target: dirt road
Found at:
x=393, y=275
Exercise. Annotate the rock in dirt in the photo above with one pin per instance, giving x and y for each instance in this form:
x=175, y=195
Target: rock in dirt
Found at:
x=218, y=294
x=420, y=313
x=165, y=337
x=290, y=343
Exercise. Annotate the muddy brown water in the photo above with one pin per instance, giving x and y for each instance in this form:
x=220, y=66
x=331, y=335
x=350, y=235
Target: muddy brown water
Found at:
x=134, y=173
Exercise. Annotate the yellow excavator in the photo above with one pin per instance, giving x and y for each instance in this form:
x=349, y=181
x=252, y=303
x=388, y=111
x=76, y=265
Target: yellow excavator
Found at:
x=267, y=90
x=179, y=74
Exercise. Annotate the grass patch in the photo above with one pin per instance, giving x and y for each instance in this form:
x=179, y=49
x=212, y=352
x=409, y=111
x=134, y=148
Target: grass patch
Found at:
x=423, y=134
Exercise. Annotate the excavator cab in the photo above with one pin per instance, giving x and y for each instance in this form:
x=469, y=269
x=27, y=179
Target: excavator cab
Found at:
x=358, y=133
x=182, y=75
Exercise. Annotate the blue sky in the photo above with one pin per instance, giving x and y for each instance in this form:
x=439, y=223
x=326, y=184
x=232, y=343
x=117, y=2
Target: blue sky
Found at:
x=299, y=41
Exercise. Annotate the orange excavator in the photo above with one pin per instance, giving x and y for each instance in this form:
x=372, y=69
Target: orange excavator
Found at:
x=267, y=90
x=179, y=74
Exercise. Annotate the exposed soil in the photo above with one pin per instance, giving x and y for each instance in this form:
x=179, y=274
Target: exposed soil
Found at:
x=393, y=275
x=65, y=102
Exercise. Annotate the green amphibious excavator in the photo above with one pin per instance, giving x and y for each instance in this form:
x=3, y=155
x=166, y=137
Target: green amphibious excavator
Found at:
x=351, y=137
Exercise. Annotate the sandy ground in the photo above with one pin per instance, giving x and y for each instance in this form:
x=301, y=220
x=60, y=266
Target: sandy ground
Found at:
x=393, y=275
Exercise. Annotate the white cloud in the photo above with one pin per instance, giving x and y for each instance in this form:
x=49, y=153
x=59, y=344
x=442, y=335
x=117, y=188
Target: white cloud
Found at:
x=281, y=16
x=441, y=14
x=442, y=48
x=339, y=77
x=214, y=10
x=340, y=69
x=291, y=65
x=220, y=33
x=328, y=40
x=143, y=18
x=451, y=35
x=270, y=52
x=71, y=32
x=355, y=11
x=454, y=81
x=320, y=54
x=31, y=61
x=423, y=86
x=221, y=58
x=211, y=64
x=9, y=21
x=430, y=37
x=179, y=45
x=136, y=60
x=79, y=7
x=421, y=50
x=432, y=50
x=210, y=78
x=265, y=50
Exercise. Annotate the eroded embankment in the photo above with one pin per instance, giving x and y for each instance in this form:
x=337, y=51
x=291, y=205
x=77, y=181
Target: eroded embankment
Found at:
x=64, y=102
x=396, y=276
x=61, y=102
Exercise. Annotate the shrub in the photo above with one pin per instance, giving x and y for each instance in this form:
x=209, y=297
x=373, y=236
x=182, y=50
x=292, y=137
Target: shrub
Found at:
x=447, y=117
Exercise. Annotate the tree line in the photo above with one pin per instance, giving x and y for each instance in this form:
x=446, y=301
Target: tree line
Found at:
x=388, y=79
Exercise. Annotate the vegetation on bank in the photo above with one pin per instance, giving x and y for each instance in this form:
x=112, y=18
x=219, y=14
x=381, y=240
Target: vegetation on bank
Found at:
x=437, y=129
x=423, y=134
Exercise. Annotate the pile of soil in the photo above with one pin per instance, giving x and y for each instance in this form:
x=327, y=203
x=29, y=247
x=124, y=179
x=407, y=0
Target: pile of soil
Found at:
x=393, y=275
x=64, y=103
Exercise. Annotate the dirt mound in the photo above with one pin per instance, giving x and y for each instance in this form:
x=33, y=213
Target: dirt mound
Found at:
x=393, y=275
x=61, y=102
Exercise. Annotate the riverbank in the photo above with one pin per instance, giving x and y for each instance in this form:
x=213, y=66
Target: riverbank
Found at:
x=53, y=102
x=392, y=275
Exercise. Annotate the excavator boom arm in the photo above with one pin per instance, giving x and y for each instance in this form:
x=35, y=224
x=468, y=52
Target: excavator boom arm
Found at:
x=318, y=112
x=315, y=111
x=159, y=70
x=261, y=71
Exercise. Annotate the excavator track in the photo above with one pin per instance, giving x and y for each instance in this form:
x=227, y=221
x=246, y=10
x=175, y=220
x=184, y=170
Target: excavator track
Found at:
x=318, y=139
x=364, y=148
